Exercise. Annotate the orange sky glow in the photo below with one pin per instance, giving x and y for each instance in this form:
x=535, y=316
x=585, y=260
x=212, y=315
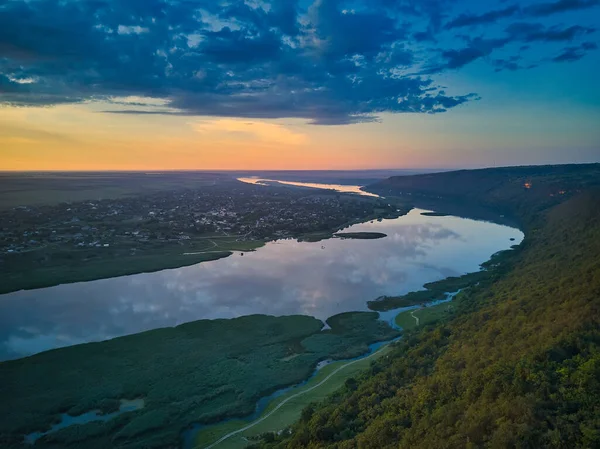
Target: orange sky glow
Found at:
x=83, y=137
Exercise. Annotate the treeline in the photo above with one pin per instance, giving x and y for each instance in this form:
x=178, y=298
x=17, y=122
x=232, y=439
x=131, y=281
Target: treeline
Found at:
x=518, y=365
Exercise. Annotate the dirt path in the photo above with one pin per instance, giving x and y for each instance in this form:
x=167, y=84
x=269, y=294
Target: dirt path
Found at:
x=214, y=245
x=285, y=401
x=415, y=317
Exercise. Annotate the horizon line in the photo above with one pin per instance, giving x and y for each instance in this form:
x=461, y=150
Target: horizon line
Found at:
x=196, y=170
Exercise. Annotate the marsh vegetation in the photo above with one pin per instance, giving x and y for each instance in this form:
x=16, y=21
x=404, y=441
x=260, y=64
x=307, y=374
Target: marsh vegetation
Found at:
x=203, y=371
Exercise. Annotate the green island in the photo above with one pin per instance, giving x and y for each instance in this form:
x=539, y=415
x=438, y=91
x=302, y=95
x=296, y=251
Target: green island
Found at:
x=434, y=214
x=515, y=363
x=360, y=235
x=198, y=372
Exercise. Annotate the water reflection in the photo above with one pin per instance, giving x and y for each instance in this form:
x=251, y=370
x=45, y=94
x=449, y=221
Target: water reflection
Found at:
x=337, y=187
x=282, y=278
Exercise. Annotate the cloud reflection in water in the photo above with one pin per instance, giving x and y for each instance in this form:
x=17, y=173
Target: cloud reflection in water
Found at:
x=282, y=278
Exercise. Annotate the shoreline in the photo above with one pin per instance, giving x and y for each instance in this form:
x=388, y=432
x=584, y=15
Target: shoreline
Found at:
x=166, y=259
x=388, y=316
x=271, y=406
x=312, y=369
x=424, y=295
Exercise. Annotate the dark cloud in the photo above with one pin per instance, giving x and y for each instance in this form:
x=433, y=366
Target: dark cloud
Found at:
x=560, y=6
x=571, y=54
x=240, y=47
x=459, y=58
x=531, y=32
x=327, y=61
x=465, y=20
x=520, y=32
x=455, y=59
x=345, y=32
x=589, y=46
x=512, y=64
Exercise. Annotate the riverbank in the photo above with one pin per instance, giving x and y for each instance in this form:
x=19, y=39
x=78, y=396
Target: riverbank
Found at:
x=167, y=410
x=436, y=291
x=518, y=362
x=100, y=264
x=436, y=306
x=52, y=266
x=412, y=319
x=68, y=272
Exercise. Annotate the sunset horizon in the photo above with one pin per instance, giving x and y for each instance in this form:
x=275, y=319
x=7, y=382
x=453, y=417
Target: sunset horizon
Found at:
x=290, y=85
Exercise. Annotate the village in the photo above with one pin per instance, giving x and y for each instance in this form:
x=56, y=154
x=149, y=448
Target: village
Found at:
x=245, y=211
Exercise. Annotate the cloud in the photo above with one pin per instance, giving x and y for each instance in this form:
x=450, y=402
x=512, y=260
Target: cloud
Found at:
x=560, y=6
x=531, y=32
x=14, y=133
x=262, y=131
x=455, y=59
x=571, y=54
x=324, y=61
x=465, y=20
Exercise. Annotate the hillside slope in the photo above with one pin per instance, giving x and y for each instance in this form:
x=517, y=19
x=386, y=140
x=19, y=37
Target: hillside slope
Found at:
x=522, y=192
x=518, y=366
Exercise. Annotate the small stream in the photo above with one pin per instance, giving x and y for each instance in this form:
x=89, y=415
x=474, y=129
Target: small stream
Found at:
x=189, y=435
x=67, y=420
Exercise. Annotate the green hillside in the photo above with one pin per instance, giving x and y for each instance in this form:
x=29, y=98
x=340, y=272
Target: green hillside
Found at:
x=520, y=192
x=517, y=363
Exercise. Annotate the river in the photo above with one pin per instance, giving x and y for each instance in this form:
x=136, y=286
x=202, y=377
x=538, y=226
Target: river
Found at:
x=343, y=188
x=283, y=277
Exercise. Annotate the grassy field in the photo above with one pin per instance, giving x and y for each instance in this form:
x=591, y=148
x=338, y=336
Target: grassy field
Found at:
x=33, y=189
x=204, y=371
x=79, y=265
x=277, y=417
x=426, y=315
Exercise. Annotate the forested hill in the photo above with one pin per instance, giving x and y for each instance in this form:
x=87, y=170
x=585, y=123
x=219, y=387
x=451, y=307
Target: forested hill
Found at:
x=519, y=191
x=518, y=365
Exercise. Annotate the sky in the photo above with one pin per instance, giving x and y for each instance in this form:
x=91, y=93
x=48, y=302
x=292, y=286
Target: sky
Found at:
x=297, y=84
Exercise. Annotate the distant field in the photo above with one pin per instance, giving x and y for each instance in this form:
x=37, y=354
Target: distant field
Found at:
x=34, y=189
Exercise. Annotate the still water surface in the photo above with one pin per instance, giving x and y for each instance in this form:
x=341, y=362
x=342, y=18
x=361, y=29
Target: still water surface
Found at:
x=313, y=185
x=281, y=278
